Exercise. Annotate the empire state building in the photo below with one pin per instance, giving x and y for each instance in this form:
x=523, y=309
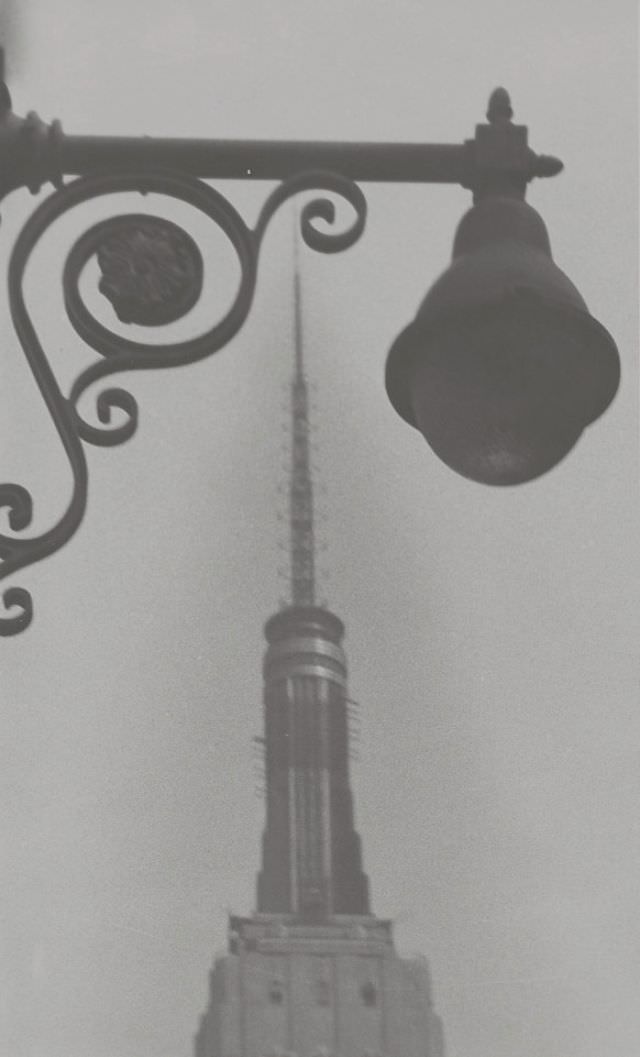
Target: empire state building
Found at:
x=312, y=972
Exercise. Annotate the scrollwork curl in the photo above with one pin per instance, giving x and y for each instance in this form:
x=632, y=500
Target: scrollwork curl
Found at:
x=106, y=401
x=19, y=505
x=319, y=209
x=121, y=354
x=16, y=598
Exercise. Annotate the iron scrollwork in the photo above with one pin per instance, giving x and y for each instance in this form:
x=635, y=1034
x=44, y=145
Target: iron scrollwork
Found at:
x=152, y=272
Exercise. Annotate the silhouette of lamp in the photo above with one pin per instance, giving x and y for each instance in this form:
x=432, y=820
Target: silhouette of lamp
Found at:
x=503, y=367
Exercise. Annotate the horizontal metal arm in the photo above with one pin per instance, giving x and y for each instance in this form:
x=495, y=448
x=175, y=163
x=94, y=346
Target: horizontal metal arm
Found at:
x=497, y=160
x=269, y=160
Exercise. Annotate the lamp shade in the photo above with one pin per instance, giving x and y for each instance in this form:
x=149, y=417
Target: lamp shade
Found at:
x=503, y=366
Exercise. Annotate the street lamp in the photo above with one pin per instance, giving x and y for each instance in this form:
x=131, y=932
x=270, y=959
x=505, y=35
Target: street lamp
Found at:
x=503, y=367
x=501, y=370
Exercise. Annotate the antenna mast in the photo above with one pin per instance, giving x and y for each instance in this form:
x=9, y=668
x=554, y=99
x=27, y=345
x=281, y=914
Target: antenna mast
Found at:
x=300, y=485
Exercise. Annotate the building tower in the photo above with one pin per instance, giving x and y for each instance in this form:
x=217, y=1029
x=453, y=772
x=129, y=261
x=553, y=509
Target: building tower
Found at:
x=312, y=973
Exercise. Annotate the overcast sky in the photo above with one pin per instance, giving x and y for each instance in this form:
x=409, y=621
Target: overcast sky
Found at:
x=492, y=634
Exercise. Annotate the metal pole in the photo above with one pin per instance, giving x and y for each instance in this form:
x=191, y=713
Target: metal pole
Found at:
x=268, y=160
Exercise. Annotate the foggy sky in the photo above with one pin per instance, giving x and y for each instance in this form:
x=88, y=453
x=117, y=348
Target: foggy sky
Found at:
x=491, y=634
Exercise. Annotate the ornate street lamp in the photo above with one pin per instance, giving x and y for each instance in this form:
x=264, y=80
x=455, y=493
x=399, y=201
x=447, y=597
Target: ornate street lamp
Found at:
x=503, y=367
x=501, y=370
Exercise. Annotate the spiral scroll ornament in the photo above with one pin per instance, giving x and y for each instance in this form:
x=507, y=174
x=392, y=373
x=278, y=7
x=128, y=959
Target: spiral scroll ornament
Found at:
x=152, y=273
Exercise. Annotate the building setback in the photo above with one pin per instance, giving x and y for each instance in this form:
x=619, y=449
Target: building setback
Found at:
x=312, y=973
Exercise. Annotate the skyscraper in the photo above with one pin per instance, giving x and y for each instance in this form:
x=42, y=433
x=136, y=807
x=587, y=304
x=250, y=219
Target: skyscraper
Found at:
x=312, y=973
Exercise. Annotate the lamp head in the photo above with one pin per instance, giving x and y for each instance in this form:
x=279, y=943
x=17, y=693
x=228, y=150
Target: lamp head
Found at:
x=503, y=366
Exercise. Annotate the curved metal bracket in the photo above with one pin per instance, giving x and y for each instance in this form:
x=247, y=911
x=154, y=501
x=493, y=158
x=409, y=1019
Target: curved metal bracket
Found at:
x=152, y=272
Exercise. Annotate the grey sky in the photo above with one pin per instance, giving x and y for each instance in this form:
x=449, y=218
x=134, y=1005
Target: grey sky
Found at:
x=492, y=634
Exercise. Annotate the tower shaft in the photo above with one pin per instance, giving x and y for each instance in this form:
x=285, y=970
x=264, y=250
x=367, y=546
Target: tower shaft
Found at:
x=312, y=862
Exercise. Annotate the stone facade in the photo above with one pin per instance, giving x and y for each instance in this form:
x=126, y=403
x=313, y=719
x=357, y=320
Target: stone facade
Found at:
x=286, y=989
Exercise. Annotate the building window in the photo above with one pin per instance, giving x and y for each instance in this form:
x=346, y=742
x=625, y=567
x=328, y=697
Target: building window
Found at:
x=322, y=992
x=369, y=994
x=275, y=992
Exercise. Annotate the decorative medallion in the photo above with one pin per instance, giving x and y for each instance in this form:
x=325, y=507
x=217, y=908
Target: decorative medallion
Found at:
x=151, y=270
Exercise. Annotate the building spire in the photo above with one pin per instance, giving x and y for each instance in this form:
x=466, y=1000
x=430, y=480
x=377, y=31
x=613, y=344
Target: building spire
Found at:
x=311, y=857
x=302, y=546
